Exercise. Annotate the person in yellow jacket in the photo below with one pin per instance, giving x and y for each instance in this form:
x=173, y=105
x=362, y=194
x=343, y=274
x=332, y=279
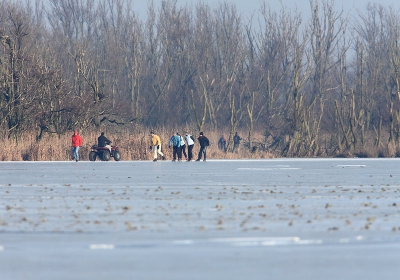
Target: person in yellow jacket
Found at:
x=156, y=146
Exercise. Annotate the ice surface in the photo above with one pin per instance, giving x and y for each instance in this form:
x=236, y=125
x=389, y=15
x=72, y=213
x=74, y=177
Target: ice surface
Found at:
x=220, y=219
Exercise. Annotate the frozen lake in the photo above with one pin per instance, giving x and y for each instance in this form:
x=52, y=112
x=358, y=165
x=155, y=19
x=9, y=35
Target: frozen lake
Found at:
x=220, y=219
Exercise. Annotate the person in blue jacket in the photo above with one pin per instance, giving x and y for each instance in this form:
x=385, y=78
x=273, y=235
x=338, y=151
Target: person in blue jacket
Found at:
x=222, y=143
x=175, y=142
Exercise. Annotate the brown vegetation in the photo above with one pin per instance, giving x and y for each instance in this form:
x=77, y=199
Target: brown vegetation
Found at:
x=133, y=144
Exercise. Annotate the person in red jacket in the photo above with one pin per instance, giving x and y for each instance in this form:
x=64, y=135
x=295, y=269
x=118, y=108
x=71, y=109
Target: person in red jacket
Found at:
x=76, y=143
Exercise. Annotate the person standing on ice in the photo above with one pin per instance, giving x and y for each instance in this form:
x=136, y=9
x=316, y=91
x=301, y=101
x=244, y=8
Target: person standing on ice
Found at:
x=175, y=143
x=183, y=147
x=156, y=146
x=190, y=142
x=76, y=143
x=204, y=143
x=236, y=141
x=222, y=143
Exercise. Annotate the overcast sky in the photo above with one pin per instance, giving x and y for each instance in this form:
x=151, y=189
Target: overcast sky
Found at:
x=247, y=7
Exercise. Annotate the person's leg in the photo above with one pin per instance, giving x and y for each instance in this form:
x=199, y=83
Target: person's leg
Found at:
x=174, y=152
x=190, y=152
x=200, y=153
x=205, y=153
x=76, y=153
x=184, y=151
x=179, y=153
x=154, y=152
x=159, y=151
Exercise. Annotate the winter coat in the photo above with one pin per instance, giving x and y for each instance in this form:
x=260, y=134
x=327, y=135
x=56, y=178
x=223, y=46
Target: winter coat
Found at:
x=103, y=141
x=76, y=140
x=171, y=141
x=176, y=140
x=189, y=140
x=236, y=139
x=204, y=142
x=155, y=140
x=182, y=139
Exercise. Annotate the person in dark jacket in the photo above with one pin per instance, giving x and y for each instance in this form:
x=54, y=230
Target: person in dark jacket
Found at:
x=204, y=143
x=103, y=141
x=236, y=141
x=222, y=143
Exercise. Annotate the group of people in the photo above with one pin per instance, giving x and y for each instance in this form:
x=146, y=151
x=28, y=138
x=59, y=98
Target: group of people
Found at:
x=178, y=144
x=222, y=142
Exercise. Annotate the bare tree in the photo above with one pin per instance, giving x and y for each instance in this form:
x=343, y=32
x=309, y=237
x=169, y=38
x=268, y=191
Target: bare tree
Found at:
x=325, y=32
x=230, y=63
x=273, y=52
x=203, y=52
x=378, y=32
x=14, y=32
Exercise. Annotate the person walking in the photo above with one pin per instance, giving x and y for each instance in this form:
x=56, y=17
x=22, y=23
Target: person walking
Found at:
x=76, y=143
x=236, y=141
x=222, y=143
x=190, y=142
x=204, y=143
x=156, y=146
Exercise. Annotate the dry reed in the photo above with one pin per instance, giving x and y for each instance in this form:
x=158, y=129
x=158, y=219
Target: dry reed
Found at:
x=133, y=144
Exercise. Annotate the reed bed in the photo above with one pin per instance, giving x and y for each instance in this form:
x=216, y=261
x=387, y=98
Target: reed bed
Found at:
x=133, y=144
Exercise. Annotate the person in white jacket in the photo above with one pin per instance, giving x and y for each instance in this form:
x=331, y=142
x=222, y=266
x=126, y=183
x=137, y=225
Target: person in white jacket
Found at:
x=190, y=142
x=183, y=146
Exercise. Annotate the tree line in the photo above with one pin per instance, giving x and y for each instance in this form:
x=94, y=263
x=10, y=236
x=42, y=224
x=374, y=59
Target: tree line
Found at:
x=319, y=85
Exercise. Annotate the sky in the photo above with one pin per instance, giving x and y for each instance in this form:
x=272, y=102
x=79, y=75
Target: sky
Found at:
x=247, y=7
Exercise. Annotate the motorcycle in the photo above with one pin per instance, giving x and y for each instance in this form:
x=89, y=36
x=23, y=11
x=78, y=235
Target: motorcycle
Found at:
x=104, y=154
